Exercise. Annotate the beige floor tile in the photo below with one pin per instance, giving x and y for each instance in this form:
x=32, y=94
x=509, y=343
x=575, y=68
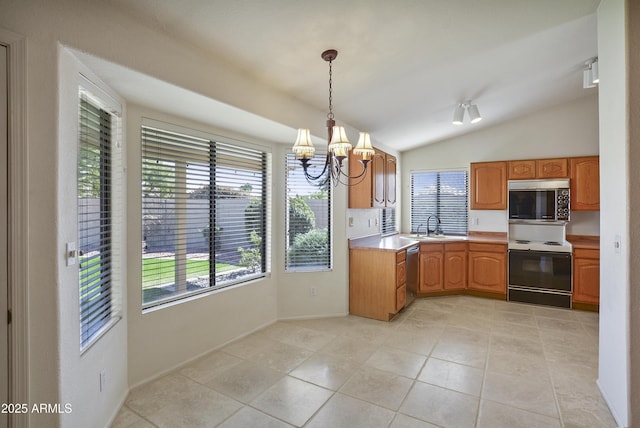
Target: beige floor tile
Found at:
x=396, y=361
x=175, y=401
x=378, y=387
x=280, y=356
x=440, y=406
x=496, y=415
x=404, y=421
x=328, y=371
x=413, y=340
x=128, y=419
x=300, y=337
x=204, y=369
x=534, y=395
x=468, y=354
x=351, y=349
x=245, y=381
x=292, y=400
x=248, y=417
x=345, y=411
x=478, y=362
x=452, y=376
x=517, y=364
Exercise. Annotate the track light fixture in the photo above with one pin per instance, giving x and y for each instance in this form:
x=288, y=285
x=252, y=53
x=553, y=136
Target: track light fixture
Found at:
x=590, y=77
x=472, y=110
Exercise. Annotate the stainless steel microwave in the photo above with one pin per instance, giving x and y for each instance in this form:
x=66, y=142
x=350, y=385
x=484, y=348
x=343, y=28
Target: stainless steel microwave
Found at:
x=539, y=200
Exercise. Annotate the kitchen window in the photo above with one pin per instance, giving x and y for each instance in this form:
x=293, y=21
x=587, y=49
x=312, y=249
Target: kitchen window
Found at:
x=99, y=193
x=204, y=213
x=443, y=193
x=308, y=220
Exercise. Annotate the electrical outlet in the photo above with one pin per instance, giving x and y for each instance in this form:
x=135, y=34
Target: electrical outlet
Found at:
x=72, y=253
x=103, y=380
x=313, y=291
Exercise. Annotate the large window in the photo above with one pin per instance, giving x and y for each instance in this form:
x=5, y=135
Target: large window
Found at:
x=443, y=193
x=99, y=184
x=204, y=206
x=308, y=229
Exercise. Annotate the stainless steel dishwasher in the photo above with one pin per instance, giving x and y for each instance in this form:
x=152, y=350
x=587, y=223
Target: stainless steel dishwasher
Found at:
x=412, y=274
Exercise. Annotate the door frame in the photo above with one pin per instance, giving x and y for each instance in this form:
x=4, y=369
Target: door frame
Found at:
x=18, y=232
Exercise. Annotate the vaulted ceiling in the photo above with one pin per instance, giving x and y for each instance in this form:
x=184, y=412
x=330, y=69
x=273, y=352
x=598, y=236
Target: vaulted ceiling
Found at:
x=403, y=65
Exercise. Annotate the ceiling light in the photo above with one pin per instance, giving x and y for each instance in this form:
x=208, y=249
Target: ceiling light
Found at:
x=458, y=114
x=338, y=144
x=472, y=110
x=590, y=75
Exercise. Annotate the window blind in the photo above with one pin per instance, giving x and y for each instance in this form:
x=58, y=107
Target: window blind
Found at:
x=204, y=214
x=94, y=219
x=388, y=224
x=443, y=193
x=308, y=221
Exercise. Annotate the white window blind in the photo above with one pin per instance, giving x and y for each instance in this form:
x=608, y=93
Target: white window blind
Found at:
x=388, y=224
x=204, y=214
x=98, y=183
x=443, y=193
x=308, y=228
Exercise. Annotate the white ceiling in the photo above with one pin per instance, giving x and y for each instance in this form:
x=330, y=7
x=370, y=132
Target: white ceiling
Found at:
x=402, y=66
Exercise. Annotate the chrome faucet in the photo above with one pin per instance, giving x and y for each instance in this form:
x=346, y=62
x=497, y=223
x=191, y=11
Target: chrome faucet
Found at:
x=437, y=225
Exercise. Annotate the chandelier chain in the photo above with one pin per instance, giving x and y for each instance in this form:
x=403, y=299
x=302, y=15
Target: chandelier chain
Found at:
x=330, y=114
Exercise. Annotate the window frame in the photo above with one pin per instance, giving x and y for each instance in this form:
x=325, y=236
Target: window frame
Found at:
x=412, y=202
x=289, y=161
x=111, y=201
x=216, y=141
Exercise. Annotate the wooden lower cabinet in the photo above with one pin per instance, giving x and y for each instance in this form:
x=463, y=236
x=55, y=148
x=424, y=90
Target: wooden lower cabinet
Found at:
x=377, y=282
x=488, y=268
x=443, y=267
x=586, y=277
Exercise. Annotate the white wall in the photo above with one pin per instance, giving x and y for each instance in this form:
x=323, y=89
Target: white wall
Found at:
x=614, y=364
x=570, y=129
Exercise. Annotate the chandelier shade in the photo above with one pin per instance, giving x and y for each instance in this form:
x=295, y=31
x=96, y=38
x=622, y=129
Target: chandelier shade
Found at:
x=303, y=148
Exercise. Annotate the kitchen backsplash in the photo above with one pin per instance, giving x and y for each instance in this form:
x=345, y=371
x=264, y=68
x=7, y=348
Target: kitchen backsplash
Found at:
x=363, y=222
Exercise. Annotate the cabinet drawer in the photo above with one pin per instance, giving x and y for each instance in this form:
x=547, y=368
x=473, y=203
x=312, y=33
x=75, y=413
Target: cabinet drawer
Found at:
x=586, y=253
x=401, y=297
x=401, y=273
x=431, y=247
x=400, y=256
x=458, y=246
x=492, y=248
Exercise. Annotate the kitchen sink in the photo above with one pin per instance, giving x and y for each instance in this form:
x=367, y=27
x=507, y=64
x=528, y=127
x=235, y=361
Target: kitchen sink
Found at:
x=431, y=237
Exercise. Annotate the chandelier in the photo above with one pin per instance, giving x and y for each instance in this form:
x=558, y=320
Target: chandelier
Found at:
x=338, y=144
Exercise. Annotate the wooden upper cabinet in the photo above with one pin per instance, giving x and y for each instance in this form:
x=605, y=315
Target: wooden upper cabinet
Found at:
x=379, y=179
x=585, y=183
x=378, y=187
x=522, y=169
x=489, y=186
x=390, y=181
x=552, y=168
x=538, y=168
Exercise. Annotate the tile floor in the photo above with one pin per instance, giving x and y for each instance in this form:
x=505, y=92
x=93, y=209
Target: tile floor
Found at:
x=454, y=361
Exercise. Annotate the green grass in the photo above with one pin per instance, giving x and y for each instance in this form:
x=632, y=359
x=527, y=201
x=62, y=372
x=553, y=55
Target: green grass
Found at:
x=162, y=271
x=158, y=271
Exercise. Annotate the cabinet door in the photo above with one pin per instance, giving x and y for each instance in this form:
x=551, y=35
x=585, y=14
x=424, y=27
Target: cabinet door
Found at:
x=585, y=183
x=489, y=186
x=552, y=168
x=379, y=179
x=522, y=170
x=431, y=271
x=390, y=181
x=360, y=189
x=488, y=271
x=586, y=276
x=455, y=269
